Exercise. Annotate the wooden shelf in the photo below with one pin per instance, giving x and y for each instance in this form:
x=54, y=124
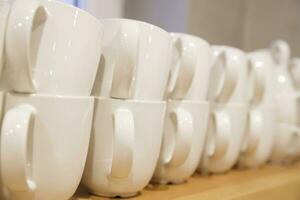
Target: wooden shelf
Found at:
x=269, y=182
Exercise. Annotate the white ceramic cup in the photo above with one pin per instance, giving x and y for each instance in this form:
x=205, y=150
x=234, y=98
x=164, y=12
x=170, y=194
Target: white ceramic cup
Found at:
x=258, y=141
x=44, y=144
x=192, y=59
x=183, y=141
x=286, y=94
x=124, y=147
x=228, y=83
x=262, y=65
x=262, y=116
x=52, y=48
x=136, y=61
x=224, y=138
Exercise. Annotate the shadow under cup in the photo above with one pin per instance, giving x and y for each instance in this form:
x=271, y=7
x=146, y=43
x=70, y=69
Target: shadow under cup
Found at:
x=44, y=144
x=124, y=147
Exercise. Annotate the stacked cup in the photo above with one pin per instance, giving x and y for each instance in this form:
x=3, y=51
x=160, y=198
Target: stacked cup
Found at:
x=287, y=136
x=187, y=110
x=48, y=116
x=227, y=93
x=129, y=108
x=295, y=73
x=4, y=10
x=258, y=141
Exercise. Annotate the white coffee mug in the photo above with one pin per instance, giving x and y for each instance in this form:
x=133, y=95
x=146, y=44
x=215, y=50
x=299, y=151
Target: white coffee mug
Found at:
x=258, y=141
x=136, y=61
x=262, y=64
x=192, y=59
x=224, y=138
x=124, y=146
x=286, y=94
x=52, y=48
x=183, y=141
x=44, y=144
x=232, y=81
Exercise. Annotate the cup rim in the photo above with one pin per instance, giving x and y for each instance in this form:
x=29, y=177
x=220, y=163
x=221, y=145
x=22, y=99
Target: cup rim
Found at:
x=69, y=6
x=137, y=21
x=194, y=37
x=48, y=96
x=130, y=100
x=188, y=101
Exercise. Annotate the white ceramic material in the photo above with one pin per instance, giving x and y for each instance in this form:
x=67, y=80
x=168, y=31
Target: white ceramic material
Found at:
x=258, y=141
x=286, y=95
x=4, y=193
x=227, y=123
x=4, y=10
x=136, y=61
x=124, y=147
x=286, y=143
x=233, y=79
x=295, y=72
x=287, y=99
x=192, y=59
x=224, y=138
x=183, y=141
x=44, y=144
x=51, y=54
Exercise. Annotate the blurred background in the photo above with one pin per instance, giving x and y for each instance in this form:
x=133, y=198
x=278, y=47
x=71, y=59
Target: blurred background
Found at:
x=246, y=24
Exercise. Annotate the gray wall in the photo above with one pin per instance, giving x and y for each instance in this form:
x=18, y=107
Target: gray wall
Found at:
x=247, y=24
x=168, y=14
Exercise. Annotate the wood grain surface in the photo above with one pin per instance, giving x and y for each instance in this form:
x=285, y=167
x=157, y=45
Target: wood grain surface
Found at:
x=268, y=182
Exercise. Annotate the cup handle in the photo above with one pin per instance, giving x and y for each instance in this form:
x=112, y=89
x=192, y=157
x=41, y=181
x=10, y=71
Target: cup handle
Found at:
x=294, y=69
x=256, y=129
x=221, y=124
x=15, y=135
x=182, y=79
x=183, y=121
x=256, y=80
x=124, y=69
x=223, y=79
x=22, y=20
x=123, y=143
x=280, y=51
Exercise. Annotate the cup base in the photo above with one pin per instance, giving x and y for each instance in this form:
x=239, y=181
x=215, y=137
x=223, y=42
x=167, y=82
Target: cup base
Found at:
x=165, y=182
x=108, y=195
